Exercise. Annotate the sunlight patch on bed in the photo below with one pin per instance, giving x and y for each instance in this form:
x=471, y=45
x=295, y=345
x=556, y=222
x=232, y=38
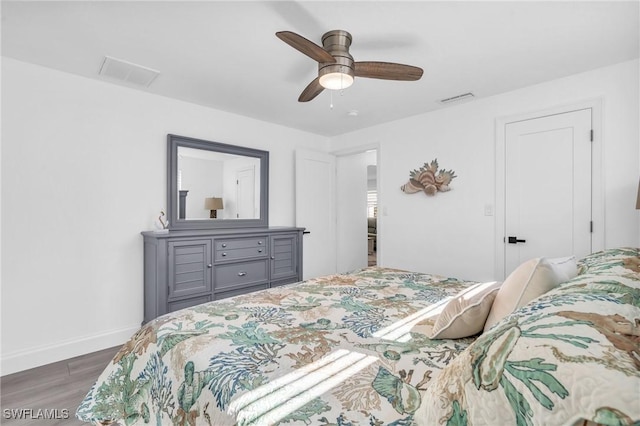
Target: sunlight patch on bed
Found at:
x=399, y=330
x=272, y=402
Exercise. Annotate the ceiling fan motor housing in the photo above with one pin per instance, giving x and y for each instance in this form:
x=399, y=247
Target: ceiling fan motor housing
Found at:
x=337, y=43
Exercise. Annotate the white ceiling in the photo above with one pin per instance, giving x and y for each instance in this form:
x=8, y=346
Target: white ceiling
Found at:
x=225, y=55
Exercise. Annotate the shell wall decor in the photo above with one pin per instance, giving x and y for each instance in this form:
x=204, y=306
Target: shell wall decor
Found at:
x=429, y=180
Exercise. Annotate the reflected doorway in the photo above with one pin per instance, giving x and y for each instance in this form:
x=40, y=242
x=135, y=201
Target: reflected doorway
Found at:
x=245, y=183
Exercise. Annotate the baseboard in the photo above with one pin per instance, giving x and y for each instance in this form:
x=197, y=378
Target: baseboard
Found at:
x=47, y=354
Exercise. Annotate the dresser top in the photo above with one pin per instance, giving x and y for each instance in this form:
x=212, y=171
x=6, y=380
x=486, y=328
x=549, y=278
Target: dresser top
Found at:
x=220, y=232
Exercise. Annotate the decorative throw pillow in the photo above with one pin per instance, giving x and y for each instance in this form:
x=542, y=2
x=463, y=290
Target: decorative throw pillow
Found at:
x=465, y=314
x=531, y=279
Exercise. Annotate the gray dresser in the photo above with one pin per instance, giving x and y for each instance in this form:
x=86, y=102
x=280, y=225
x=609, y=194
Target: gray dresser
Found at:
x=186, y=268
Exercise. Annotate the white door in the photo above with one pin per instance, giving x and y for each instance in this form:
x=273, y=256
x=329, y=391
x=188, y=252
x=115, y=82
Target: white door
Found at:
x=315, y=211
x=548, y=187
x=351, y=190
x=245, y=188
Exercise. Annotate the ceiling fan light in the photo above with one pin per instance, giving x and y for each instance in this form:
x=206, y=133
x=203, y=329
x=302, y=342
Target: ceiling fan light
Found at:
x=336, y=80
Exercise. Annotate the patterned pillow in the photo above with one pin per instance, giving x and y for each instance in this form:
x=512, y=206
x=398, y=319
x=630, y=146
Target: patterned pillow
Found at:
x=465, y=314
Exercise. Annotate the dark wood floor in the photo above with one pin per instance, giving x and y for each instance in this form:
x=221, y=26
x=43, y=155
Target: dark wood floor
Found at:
x=59, y=386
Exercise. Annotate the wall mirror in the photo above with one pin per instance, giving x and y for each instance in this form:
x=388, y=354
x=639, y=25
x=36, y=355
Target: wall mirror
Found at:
x=214, y=185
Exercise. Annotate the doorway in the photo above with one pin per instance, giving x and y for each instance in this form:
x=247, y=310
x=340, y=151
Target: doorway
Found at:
x=332, y=193
x=356, y=232
x=372, y=212
x=546, y=187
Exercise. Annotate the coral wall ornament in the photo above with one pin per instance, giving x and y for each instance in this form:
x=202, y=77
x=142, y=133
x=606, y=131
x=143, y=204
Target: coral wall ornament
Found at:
x=429, y=179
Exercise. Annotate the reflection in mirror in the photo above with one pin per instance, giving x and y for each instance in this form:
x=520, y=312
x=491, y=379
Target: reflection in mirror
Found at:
x=214, y=185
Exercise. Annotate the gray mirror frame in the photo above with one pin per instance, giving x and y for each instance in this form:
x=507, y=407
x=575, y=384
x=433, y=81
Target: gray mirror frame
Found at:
x=175, y=141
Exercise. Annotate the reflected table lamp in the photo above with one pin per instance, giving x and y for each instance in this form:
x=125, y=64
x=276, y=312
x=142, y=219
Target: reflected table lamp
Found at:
x=213, y=204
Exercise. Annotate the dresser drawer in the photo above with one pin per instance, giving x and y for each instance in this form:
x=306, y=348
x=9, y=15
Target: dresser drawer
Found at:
x=240, y=274
x=240, y=248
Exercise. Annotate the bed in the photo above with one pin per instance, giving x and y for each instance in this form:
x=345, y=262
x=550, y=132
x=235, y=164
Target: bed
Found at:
x=348, y=350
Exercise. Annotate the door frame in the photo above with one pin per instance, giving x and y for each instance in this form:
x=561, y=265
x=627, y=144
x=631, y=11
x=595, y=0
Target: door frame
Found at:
x=597, y=174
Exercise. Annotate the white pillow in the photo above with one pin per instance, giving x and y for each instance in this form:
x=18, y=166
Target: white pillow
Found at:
x=565, y=267
x=466, y=313
x=531, y=279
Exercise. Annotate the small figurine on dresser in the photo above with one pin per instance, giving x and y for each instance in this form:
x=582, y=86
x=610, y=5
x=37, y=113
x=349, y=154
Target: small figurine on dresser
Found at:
x=161, y=224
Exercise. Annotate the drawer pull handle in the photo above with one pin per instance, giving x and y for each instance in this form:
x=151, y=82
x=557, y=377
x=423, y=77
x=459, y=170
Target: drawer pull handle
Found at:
x=242, y=274
x=209, y=266
x=224, y=254
x=273, y=257
x=259, y=242
x=224, y=245
x=259, y=250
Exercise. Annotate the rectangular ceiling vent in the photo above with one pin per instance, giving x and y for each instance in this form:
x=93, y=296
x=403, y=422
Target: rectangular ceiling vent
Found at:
x=458, y=98
x=126, y=71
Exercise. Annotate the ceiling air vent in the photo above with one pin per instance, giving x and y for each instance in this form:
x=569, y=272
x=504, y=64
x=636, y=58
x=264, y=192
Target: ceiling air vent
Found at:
x=126, y=71
x=458, y=98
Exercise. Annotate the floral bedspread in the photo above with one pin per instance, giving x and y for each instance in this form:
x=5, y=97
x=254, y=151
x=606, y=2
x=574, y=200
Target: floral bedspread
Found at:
x=334, y=350
x=570, y=356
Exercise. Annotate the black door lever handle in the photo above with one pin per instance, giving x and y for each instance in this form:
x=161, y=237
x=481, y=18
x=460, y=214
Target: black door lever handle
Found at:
x=515, y=240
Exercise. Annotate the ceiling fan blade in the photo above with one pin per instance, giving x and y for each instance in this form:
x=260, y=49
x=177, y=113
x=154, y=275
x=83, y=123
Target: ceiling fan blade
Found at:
x=305, y=46
x=311, y=91
x=387, y=71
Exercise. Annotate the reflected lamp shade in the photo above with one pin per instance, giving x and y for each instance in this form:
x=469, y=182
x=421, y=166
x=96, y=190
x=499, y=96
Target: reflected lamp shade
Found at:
x=213, y=204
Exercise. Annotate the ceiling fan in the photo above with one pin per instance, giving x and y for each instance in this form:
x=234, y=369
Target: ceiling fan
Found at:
x=336, y=67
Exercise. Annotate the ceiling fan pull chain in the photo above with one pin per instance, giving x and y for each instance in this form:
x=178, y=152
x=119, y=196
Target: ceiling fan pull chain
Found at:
x=331, y=104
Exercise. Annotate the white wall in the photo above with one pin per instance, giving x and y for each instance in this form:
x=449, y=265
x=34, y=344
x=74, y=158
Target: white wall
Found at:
x=449, y=233
x=83, y=173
